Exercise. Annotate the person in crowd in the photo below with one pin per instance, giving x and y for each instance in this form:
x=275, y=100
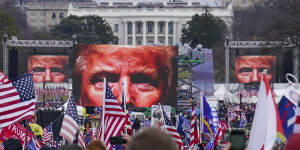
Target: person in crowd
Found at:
x=147, y=70
x=48, y=68
x=70, y=147
x=12, y=144
x=149, y=139
x=136, y=124
x=95, y=145
x=248, y=69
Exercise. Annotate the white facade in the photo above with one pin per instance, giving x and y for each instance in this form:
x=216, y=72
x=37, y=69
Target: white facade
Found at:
x=151, y=23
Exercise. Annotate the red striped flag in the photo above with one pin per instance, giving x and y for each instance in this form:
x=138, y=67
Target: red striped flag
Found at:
x=70, y=128
x=194, y=132
x=47, y=134
x=17, y=100
x=3, y=78
x=115, y=118
x=171, y=130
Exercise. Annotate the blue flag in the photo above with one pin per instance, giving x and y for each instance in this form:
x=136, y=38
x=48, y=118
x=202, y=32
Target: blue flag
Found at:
x=287, y=115
x=243, y=121
x=207, y=115
x=31, y=146
x=183, y=127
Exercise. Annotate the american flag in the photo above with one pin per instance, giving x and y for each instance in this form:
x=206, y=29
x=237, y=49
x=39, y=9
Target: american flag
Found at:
x=194, y=131
x=297, y=122
x=171, y=130
x=88, y=137
x=3, y=78
x=114, y=118
x=17, y=100
x=70, y=124
x=47, y=134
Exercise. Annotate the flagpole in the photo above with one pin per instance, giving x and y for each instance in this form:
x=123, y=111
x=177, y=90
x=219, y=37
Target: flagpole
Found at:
x=103, y=110
x=124, y=95
x=162, y=115
x=201, y=115
x=25, y=142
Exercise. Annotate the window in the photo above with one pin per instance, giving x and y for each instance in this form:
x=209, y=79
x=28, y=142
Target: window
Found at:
x=129, y=28
x=170, y=28
x=53, y=16
x=61, y=15
x=116, y=28
x=139, y=42
x=150, y=27
x=161, y=28
x=184, y=26
x=139, y=28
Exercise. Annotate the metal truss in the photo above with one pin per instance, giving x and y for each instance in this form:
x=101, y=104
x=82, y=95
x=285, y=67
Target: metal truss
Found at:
x=260, y=44
x=39, y=43
x=29, y=43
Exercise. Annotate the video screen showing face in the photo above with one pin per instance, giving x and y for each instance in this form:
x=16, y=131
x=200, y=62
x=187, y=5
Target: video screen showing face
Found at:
x=149, y=73
x=248, y=68
x=48, y=68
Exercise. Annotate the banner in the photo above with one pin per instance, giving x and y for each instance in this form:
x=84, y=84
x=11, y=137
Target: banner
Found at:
x=16, y=131
x=156, y=113
x=203, y=74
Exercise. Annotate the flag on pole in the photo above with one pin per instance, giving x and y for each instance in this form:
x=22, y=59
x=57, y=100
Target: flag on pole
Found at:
x=286, y=108
x=266, y=122
x=3, y=78
x=170, y=128
x=297, y=122
x=115, y=118
x=221, y=131
x=184, y=129
x=47, y=134
x=243, y=121
x=194, y=132
x=17, y=100
x=208, y=117
x=70, y=126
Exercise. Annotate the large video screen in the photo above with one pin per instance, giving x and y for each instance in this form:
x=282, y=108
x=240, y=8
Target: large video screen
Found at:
x=248, y=68
x=48, y=68
x=149, y=74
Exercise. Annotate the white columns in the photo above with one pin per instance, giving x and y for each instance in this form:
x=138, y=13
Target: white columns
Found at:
x=144, y=32
x=174, y=33
x=155, y=33
x=167, y=33
x=133, y=33
x=126, y=33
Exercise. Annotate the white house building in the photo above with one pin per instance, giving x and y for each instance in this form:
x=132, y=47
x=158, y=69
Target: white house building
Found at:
x=149, y=22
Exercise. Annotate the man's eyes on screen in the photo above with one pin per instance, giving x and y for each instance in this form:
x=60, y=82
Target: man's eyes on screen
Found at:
x=58, y=70
x=262, y=69
x=245, y=69
x=38, y=69
x=112, y=78
x=140, y=78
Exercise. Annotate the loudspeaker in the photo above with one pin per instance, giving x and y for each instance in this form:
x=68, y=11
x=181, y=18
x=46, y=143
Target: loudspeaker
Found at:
x=13, y=64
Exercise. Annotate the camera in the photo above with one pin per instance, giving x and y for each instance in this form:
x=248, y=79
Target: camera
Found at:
x=116, y=140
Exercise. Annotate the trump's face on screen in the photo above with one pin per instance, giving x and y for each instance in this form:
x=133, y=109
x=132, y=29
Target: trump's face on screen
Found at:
x=248, y=69
x=146, y=71
x=48, y=68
